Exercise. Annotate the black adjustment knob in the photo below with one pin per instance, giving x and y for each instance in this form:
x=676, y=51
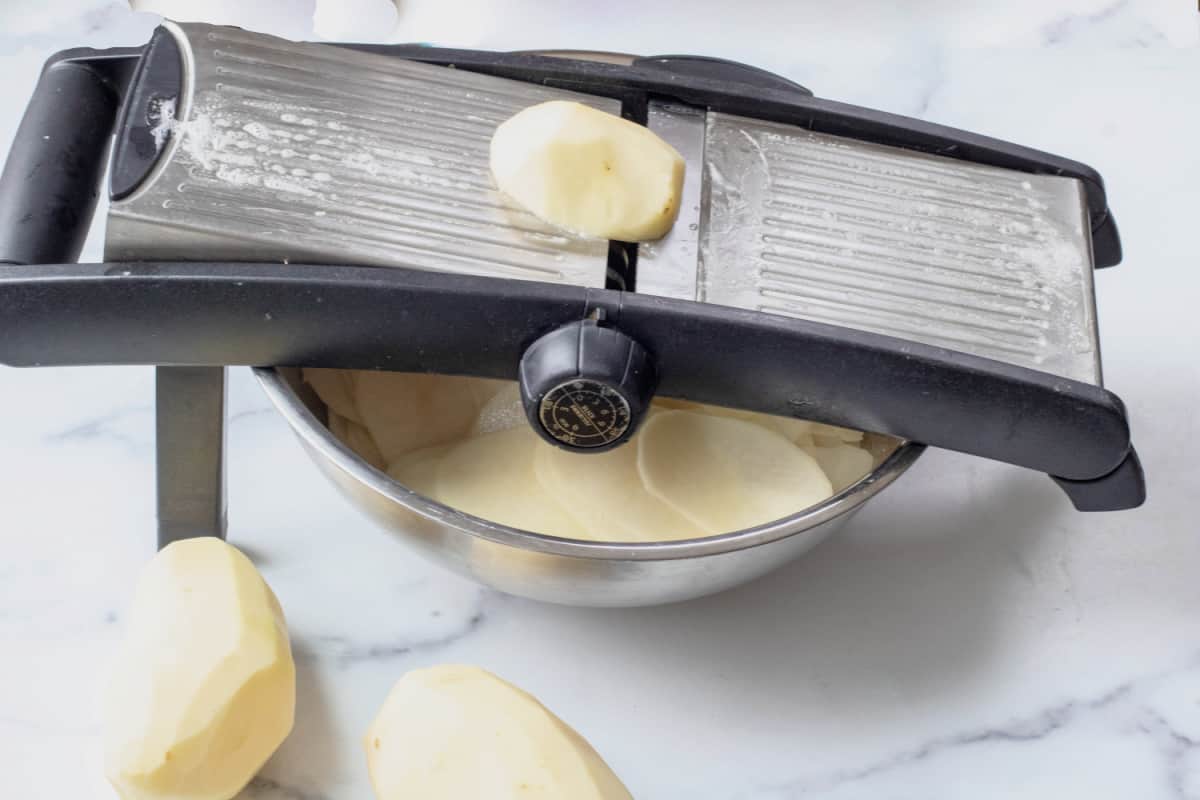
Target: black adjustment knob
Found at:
x=586, y=387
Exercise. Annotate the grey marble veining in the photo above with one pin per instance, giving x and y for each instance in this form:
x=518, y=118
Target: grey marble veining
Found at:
x=969, y=637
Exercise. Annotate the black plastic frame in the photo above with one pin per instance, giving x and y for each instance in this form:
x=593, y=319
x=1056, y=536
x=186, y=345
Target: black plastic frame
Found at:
x=205, y=314
x=51, y=181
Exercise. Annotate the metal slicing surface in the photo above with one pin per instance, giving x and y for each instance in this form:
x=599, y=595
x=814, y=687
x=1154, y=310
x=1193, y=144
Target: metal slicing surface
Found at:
x=972, y=258
x=669, y=267
x=298, y=152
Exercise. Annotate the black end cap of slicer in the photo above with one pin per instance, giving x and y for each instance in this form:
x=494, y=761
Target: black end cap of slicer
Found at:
x=148, y=115
x=1123, y=488
x=586, y=387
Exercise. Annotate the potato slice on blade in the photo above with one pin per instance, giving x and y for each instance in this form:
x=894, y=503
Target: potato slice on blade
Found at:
x=589, y=171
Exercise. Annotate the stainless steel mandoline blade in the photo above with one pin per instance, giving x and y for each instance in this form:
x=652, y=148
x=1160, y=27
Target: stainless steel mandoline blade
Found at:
x=973, y=258
x=290, y=151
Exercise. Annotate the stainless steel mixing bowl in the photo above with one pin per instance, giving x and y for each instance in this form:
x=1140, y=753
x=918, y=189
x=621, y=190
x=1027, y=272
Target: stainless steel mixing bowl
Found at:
x=565, y=570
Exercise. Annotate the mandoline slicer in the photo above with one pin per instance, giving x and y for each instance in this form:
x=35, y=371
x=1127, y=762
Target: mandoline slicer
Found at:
x=276, y=203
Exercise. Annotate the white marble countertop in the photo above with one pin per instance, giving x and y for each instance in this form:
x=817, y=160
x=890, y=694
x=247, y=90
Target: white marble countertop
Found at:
x=969, y=636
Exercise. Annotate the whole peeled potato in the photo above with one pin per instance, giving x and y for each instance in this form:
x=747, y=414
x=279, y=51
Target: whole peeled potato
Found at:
x=204, y=688
x=458, y=733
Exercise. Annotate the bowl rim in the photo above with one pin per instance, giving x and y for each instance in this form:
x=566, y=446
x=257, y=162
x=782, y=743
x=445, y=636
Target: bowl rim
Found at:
x=318, y=438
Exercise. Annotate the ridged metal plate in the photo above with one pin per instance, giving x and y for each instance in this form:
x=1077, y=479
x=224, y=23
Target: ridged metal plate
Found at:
x=981, y=260
x=302, y=152
x=669, y=267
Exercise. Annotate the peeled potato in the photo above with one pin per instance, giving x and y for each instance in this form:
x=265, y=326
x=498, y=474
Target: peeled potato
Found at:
x=457, y=732
x=588, y=171
x=408, y=411
x=605, y=495
x=335, y=387
x=844, y=464
x=725, y=474
x=204, y=688
x=357, y=438
x=491, y=476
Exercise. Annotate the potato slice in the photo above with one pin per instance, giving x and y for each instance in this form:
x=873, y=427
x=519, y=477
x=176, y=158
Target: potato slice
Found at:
x=491, y=476
x=357, y=438
x=676, y=404
x=335, y=387
x=410, y=411
x=487, y=388
x=455, y=732
x=844, y=464
x=418, y=470
x=503, y=410
x=605, y=495
x=832, y=435
x=204, y=688
x=725, y=474
x=798, y=431
x=588, y=171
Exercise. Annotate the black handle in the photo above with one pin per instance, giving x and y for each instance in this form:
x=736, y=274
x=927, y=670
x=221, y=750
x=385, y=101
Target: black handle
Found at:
x=202, y=314
x=1075, y=432
x=722, y=69
x=51, y=181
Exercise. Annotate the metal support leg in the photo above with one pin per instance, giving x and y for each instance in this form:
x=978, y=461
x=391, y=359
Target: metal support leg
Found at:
x=191, y=452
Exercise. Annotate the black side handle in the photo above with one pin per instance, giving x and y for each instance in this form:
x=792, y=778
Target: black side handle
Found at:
x=51, y=181
x=722, y=69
